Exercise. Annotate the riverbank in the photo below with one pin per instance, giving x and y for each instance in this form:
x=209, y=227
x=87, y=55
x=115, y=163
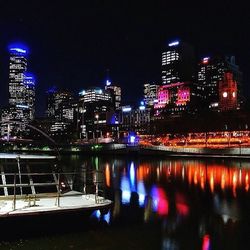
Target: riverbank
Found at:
x=140, y=150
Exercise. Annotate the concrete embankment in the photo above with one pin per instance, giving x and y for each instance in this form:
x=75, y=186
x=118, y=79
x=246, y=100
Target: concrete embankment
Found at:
x=234, y=152
x=123, y=149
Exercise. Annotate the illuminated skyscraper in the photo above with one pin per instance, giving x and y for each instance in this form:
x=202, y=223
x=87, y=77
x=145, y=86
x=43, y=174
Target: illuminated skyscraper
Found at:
x=210, y=73
x=177, y=63
x=29, y=83
x=21, y=107
x=115, y=92
x=17, y=69
x=58, y=102
x=94, y=95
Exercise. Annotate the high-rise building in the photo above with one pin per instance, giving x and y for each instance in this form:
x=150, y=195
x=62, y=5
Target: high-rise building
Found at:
x=115, y=92
x=94, y=94
x=150, y=94
x=29, y=83
x=98, y=110
x=58, y=102
x=178, y=63
x=21, y=107
x=17, y=70
x=18, y=117
x=135, y=119
x=210, y=72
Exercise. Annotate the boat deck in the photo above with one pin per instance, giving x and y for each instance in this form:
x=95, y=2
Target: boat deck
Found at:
x=68, y=202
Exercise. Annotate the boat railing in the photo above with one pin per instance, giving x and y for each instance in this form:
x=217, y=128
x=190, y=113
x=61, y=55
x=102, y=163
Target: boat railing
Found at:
x=91, y=184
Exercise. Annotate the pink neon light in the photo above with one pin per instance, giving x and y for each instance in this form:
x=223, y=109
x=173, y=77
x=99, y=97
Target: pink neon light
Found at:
x=206, y=242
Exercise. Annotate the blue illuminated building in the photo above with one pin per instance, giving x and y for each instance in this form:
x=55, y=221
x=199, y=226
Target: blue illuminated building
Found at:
x=21, y=83
x=17, y=70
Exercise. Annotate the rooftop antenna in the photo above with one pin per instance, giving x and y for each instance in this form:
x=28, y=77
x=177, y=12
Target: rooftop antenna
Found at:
x=108, y=82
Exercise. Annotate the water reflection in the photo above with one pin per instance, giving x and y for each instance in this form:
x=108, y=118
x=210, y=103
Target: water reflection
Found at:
x=177, y=191
x=195, y=204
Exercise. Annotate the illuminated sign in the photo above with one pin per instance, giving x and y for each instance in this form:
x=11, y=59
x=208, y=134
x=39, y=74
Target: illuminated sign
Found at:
x=142, y=108
x=175, y=43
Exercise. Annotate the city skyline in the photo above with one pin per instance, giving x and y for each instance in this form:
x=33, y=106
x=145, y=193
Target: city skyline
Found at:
x=68, y=51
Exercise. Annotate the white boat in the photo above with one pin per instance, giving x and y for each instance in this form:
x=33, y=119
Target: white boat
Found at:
x=33, y=185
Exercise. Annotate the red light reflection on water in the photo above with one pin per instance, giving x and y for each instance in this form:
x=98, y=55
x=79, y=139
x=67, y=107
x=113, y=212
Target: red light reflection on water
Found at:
x=160, y=201
x=206, y=242
x=107, y=175
x=181, y=204
x=200, y=174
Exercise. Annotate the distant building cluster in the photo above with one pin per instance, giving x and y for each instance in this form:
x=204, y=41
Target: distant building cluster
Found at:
x=98, y=114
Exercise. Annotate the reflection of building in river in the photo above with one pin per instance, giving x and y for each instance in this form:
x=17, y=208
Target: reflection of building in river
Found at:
x=200, y=174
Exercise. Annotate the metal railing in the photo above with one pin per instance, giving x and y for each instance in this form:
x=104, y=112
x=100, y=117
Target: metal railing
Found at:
x=90, y=183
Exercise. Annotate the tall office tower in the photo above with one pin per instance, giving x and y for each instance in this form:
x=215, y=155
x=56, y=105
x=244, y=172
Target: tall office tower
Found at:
x=115, y=92
x=210, y=73
x=50, y=111
x=98, y=112
x=62, y=97
x=94, y=94
x=228, y=93
x=29, y=83
x=17, y=69
x=150, y=94
x=178, y=63
x=56, y=102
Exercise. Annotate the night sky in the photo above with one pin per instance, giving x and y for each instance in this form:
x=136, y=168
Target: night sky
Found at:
x=72, y=45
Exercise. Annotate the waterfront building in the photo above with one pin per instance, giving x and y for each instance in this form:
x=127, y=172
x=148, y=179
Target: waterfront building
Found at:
x=174, y=99
x=135, y=119
x=97, y=113
x=210, y=72
x=178, y=90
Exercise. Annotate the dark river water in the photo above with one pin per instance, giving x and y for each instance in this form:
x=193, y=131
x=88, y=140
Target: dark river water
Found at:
x=159, y=203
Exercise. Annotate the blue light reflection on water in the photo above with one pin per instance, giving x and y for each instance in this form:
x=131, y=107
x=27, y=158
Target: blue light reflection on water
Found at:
x=169, y=194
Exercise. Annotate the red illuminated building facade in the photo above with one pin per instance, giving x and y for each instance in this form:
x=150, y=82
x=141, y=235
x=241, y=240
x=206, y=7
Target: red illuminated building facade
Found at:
x=228, y=93
x=211, y=72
